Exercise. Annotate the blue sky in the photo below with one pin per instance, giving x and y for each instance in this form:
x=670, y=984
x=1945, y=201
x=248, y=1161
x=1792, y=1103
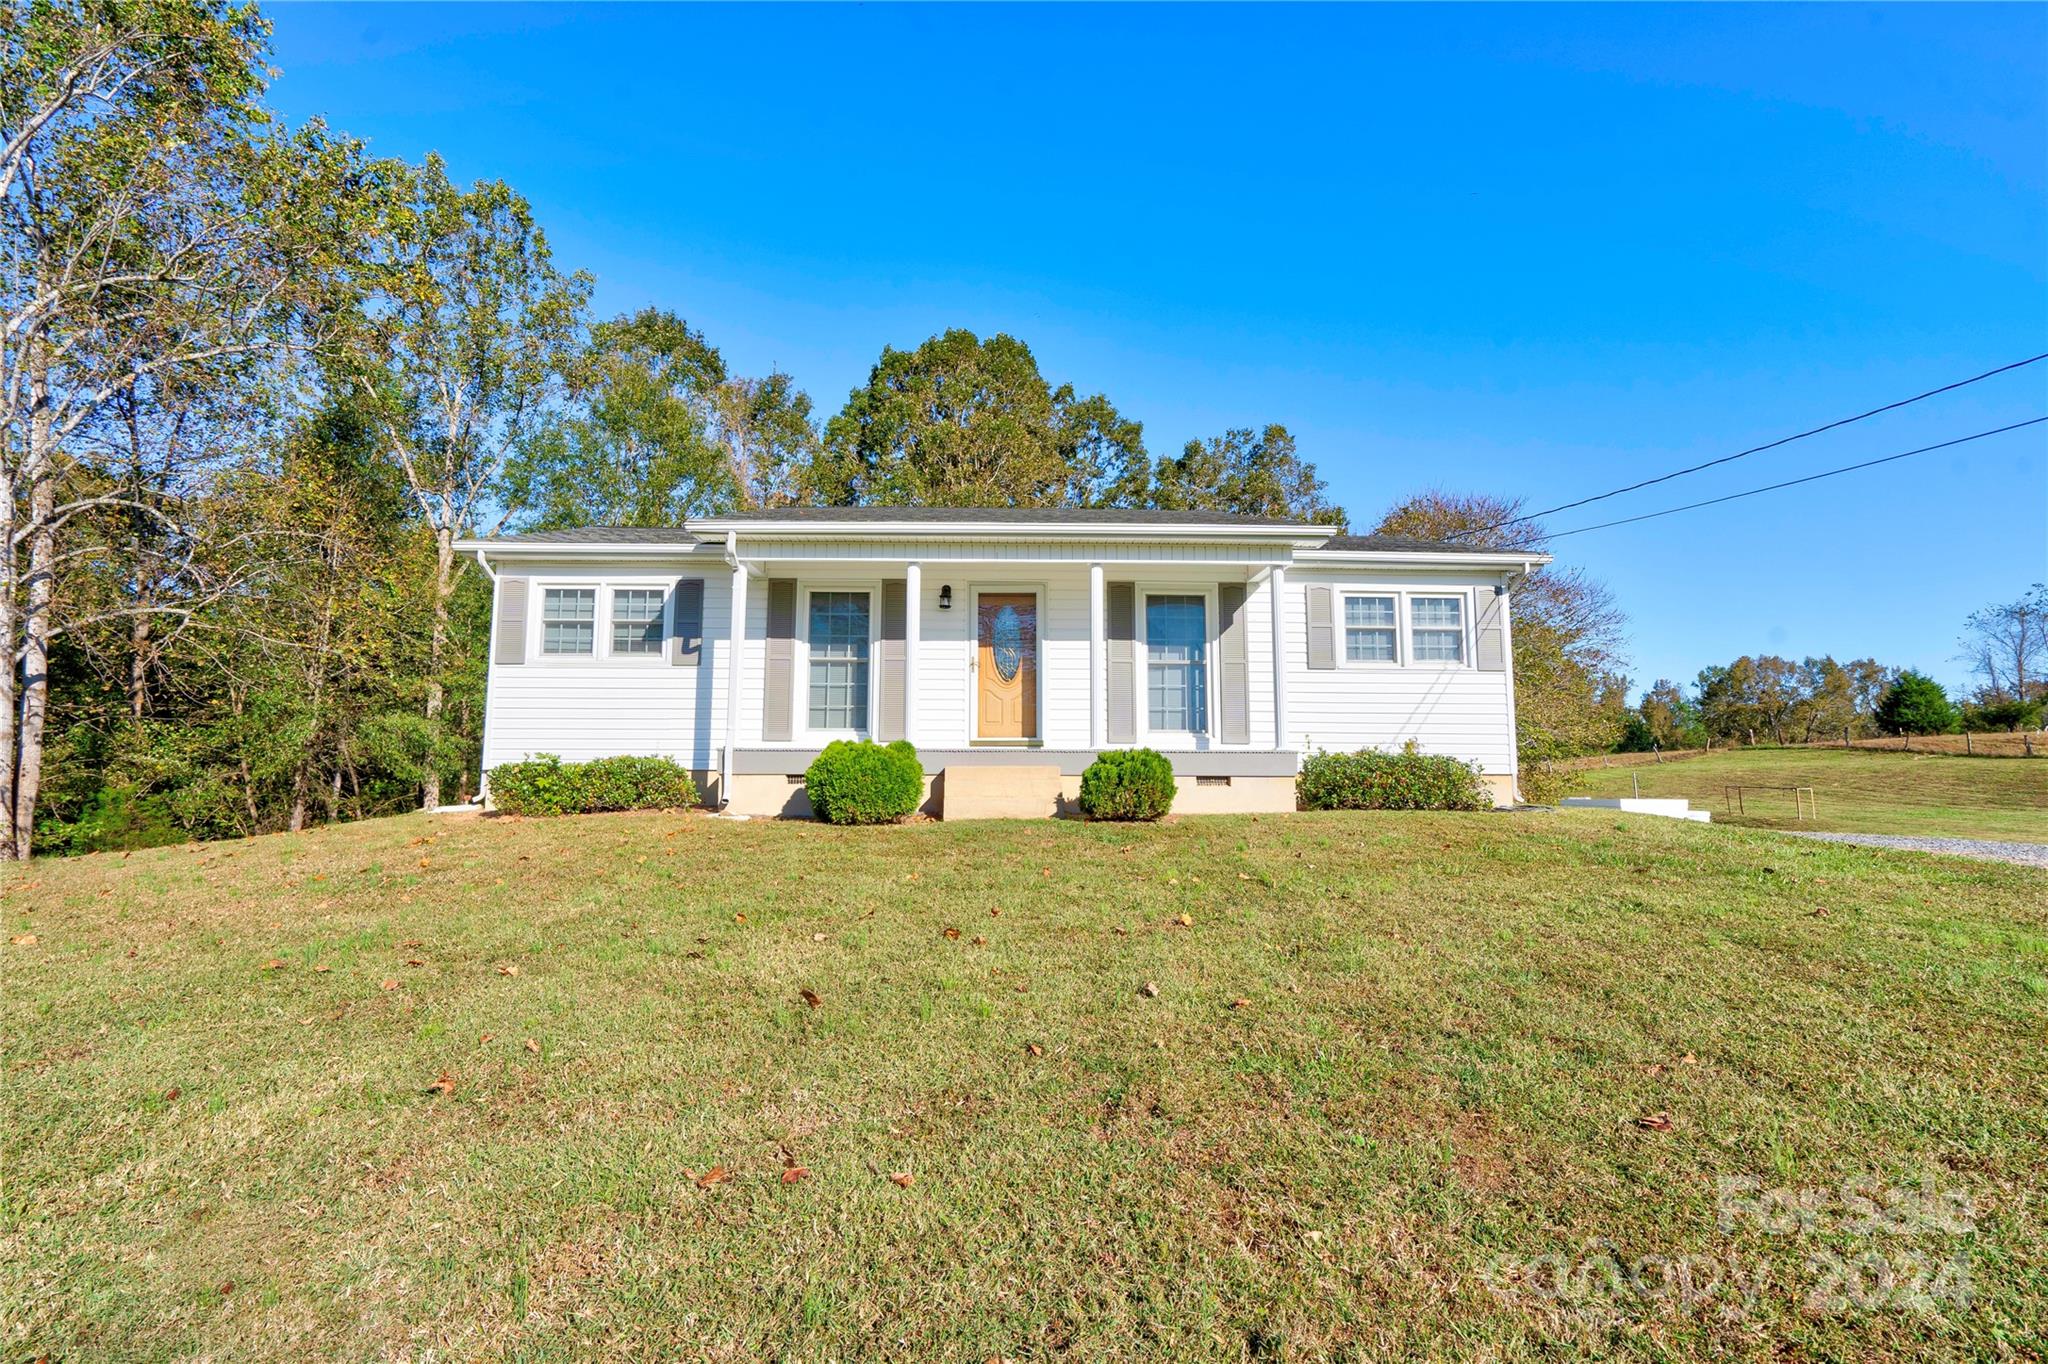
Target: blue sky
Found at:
x=1531, y=251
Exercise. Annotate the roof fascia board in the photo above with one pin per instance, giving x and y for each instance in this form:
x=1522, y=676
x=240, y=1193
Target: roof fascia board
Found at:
x=1443, y=559
x=1010, y=530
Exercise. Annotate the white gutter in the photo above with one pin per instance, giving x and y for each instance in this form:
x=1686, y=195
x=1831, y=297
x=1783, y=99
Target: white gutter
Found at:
x=1006, y=530
x=1455, y=559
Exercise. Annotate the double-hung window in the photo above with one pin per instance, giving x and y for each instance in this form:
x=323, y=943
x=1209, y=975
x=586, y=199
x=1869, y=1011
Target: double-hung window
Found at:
x=839, y=660
x=1176, y=664
x=568, y=621
x=1370, y=634
x=1437, y=625
x=636, y=621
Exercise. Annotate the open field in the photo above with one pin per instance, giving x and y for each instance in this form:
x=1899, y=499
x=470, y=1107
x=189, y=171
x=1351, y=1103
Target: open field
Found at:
x=1864, y=791
x=540, y=1090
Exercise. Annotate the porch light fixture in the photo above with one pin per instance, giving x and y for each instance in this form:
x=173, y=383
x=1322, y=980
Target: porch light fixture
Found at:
x=946, y=597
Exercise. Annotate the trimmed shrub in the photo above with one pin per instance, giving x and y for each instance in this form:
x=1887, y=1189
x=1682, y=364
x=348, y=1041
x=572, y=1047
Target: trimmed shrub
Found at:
x=1371, y=780
x=548, y=786
x=860, y=782
x=1131, y=783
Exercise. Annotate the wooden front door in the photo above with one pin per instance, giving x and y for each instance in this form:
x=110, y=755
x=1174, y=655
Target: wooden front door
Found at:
x=1006, y=665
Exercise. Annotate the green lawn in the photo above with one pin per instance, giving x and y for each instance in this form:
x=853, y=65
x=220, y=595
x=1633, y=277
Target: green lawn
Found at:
x=1865, y=791
x=1392, y=1063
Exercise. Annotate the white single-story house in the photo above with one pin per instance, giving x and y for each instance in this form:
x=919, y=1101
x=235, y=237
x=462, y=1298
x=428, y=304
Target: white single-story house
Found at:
x=1009, y=645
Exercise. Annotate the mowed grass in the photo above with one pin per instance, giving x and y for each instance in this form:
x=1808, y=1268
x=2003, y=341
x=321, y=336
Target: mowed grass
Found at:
x=1390, y=1058
x=1859, y=790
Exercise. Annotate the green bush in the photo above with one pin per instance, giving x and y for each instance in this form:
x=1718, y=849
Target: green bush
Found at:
x=1916, y=704
x=548, y=786
x=859, y=782
x=1132, y=783
x=1370, y=780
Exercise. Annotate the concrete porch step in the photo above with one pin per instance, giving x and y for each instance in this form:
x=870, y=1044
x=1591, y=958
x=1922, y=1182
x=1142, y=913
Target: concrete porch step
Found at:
x=1019, y=791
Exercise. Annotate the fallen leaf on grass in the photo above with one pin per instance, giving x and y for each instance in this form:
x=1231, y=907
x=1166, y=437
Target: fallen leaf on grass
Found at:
x=443, y=1084
x=274, y=964
x=424, y=861
x=323, y=968
x=902, y=1178
x=415, y=961
x=952, y=935
x=810, y=997
x=1186, y=921
x=389, y=985
x=171, y=1094
x=1240, y=1004
x=1150, y=989
x=739, y=918
x=1655, y=1122
x=1034, y=1049
x=23, y=940
x=1244, y=876
x=412, y=942
x=817, y=937
x=980, y=941
x=795, y=1174
x=484, y=1037
x=533, y=1046
x=227, y=1287
x=506, y=970
x=717, y=1174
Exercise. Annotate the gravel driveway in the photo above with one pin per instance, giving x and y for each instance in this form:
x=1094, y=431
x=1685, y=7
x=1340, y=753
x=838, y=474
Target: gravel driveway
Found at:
x=1984, y=849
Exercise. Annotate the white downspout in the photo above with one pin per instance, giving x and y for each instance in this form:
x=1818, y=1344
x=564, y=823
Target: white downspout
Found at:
x=1276, y=587
x=1507, y=661
x=735, y=642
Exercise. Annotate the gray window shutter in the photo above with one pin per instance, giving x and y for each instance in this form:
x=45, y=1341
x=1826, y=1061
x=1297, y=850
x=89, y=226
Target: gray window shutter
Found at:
x=1122, y=605
x=686, y=623
x=1493, y=631
x=1322, y=628
x=510, y=639
x=1233, y=672
x=889, y=678
x=778, y=689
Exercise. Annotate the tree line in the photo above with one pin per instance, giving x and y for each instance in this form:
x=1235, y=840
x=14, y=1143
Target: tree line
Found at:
x=1768, y=699
x=256, y=383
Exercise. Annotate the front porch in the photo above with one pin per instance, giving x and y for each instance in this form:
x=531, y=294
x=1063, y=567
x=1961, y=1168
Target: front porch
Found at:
x=1026, y=661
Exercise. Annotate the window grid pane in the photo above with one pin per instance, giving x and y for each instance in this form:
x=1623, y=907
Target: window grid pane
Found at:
x=839, y=660
x=1438, y=623
x=1369, y=629
x=569, y=620
x=1176, y=651
x=636, y=620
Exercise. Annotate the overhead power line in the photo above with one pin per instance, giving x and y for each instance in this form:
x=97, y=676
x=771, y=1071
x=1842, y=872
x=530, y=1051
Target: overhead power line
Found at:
x=1758, y=449
x=1795, y=482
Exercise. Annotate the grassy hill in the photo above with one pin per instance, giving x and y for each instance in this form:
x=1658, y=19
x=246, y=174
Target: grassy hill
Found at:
x=1300, y=1087
x=1859, y=790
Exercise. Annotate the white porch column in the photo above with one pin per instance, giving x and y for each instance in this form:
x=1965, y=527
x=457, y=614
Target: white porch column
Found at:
x=1276, y=603
x=913, y=630
x=1097, y=613
x=735, y=647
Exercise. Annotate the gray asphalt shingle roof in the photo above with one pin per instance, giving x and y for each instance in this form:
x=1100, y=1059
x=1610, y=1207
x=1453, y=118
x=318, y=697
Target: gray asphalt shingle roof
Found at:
x=994, y=516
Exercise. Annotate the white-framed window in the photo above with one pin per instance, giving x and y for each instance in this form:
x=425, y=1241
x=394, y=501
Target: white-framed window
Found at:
x=1436, y=627
x=838, y=640
x=1372, y=630
x=636, y=621
x=568, y=622
x=1177, y=662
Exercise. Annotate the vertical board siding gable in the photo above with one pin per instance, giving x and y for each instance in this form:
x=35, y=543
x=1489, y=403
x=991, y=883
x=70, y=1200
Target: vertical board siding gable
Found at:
x=1322, y=627
x=890, y=681
x=1122, y=628
x=686, y=623
x=778, y=688
x=1233, y=674
x=510, y=643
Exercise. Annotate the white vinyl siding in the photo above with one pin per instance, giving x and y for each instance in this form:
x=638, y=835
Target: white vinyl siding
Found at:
x=568, y=622
x=1438, y=627
x=839, y=634
x=1371, y=634
x=1455, y=710
x=636, y=620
